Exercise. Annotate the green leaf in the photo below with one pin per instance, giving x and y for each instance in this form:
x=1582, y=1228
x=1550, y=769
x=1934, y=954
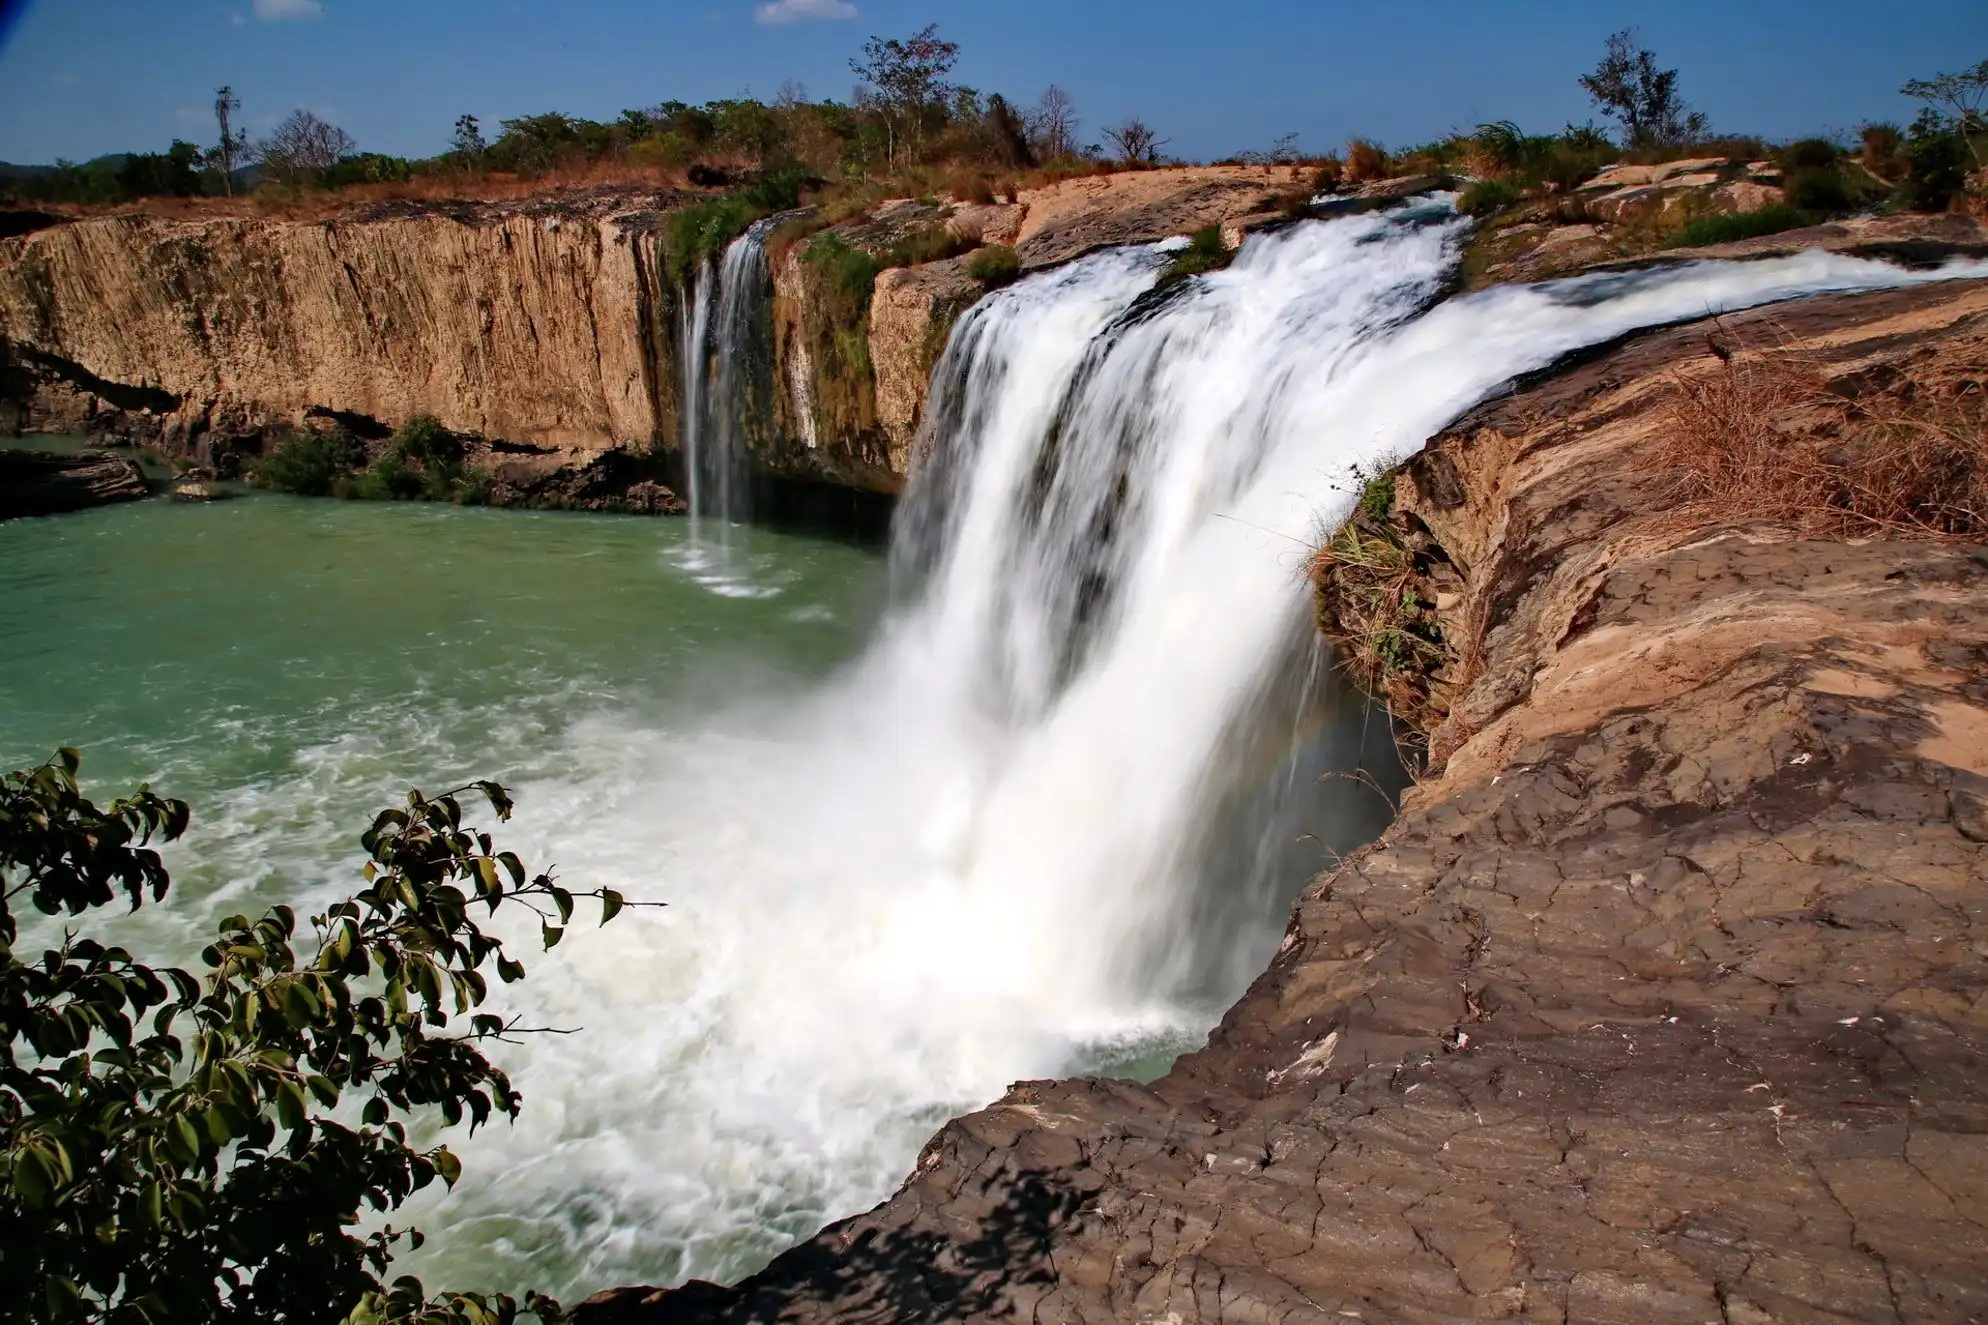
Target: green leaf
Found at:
x=551, y=936
x=32, y=1176
x=149, y=1200
x=611, y=904
x=182, y=1140
x=448, y=1166
x=325, y=1089
x=291, y=1106
x=65, y=1300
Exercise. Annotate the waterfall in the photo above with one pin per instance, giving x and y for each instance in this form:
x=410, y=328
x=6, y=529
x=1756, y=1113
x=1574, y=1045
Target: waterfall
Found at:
x=744, y=374
x=727, y=376
x=695, y=340
x=999, y=845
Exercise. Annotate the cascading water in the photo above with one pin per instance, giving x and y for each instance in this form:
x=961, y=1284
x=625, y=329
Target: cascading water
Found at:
x=995, y=846
x=694, y=342
x=727, y=380
x=743, y=375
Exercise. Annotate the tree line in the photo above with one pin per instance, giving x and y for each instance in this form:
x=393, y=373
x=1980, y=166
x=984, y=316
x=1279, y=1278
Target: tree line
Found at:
x=906, y=115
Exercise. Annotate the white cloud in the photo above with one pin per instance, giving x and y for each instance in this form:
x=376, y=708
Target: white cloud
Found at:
x=276, y=11
x=789, y=11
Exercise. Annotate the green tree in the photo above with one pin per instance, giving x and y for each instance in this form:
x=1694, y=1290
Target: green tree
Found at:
x=1956, y=100
x=1628, y=87
x=174, y=173
x=468, y=146
x=169, y=1150
x=909, y=78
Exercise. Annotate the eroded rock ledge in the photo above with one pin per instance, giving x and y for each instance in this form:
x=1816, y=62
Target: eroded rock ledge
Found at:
x=1666, y=1001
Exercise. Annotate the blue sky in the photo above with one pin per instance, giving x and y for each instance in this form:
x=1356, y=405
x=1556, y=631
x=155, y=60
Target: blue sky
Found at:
x=82, y=77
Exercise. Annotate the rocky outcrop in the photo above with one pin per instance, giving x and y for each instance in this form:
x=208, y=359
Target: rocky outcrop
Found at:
x=1077, y=216
x=911, y=314
x=546, y=324
x=1662, y=1000
x=51, y=483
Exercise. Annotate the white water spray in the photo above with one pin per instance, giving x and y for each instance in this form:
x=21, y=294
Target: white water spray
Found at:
x=987, y=851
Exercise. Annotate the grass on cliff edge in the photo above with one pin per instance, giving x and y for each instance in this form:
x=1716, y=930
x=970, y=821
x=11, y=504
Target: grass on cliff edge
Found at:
x=1763, y=436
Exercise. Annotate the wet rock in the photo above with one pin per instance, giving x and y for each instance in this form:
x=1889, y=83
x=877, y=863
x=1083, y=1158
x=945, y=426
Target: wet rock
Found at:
x=50, y=483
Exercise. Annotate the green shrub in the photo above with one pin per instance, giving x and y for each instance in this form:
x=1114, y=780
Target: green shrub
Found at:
x=1810, y=154
x=1377, y=495
x=1487, y=197
x=423, y=440
x=1205, y=252
x=849, y=273
x=1728, y=229
x=387, y=479
x=1883, y=150
x=995, y=265
x=1936, y=166
x=1823, y=191
x=308, y=462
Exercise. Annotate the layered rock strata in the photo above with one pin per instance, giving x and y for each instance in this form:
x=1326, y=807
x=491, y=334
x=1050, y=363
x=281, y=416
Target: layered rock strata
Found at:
x=51, y=483
x=1664, y=1000
x=547, y=327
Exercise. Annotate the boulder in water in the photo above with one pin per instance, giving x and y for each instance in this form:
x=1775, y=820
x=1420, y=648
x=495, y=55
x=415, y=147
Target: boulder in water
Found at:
x=52, y=483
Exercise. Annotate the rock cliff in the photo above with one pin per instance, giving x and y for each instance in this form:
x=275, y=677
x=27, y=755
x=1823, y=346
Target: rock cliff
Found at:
x=547, y=327
x=1662, y=1000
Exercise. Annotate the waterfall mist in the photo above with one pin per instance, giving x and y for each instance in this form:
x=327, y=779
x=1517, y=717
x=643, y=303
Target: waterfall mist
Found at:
x=1046, y=822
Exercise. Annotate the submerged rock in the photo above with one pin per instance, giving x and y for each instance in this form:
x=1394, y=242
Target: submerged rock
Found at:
x=51, y=483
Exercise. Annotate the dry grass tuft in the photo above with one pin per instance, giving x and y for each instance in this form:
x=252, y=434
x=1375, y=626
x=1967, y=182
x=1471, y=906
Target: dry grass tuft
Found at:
x=1767, y=436
x=1366, y=161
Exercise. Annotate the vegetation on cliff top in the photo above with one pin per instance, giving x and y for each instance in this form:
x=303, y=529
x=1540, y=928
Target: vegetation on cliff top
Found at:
x=183, y=1147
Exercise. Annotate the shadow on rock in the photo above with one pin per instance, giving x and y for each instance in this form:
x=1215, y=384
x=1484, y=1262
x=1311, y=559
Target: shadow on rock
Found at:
x=850, y=1272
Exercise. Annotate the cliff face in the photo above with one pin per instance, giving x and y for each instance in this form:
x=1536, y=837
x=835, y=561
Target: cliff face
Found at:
x=548, y=329
x=525, y=329
x=1662, y=1001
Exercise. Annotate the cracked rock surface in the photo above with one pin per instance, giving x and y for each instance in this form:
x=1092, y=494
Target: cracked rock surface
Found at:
x=1667, y=1001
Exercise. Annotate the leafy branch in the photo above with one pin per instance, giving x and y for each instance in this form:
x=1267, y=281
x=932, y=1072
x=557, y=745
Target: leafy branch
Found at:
x=177, y=1148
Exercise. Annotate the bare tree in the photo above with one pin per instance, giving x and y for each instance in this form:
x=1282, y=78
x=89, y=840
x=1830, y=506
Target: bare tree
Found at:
x=1052, y=125
x=303, y=147
x=233, y=149
x=909, y=78
x=1629, y=87
x=1137, y=144
x=1957, y=99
